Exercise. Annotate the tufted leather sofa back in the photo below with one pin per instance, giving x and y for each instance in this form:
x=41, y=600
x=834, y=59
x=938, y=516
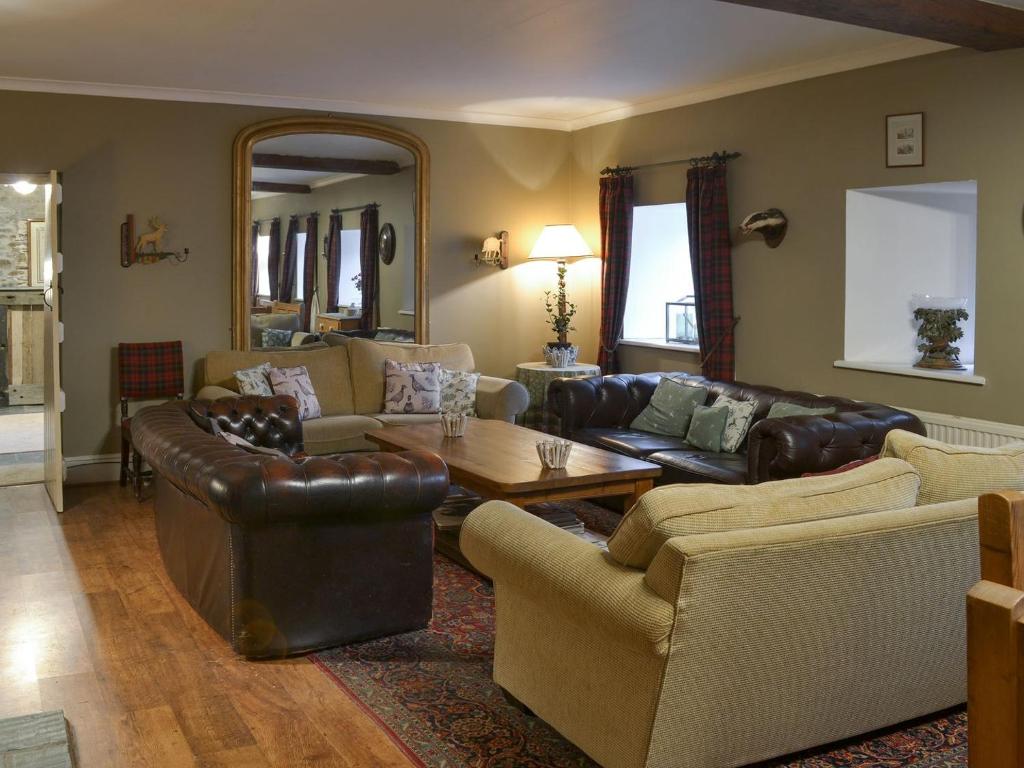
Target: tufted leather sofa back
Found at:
x=269, y=422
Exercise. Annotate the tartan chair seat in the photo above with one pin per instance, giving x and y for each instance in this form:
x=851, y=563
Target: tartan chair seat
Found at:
x=145, y=371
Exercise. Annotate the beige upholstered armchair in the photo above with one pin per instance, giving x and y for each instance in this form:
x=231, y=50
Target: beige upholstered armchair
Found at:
x=683, y=649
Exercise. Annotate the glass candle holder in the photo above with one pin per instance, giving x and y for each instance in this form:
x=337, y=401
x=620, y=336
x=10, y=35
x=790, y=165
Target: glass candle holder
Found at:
x=554, y=454
x=453, y=424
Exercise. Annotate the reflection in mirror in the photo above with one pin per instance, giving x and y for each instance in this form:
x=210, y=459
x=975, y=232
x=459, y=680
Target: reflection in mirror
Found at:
x=320, y=203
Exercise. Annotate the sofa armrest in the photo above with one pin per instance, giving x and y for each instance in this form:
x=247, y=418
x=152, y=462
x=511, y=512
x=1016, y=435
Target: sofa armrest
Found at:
x=574, y=578
x=783, y=448
x=600, y=401
x=500, y=399
x=213, y=392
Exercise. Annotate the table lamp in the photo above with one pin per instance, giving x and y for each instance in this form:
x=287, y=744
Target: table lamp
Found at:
x=561, y=242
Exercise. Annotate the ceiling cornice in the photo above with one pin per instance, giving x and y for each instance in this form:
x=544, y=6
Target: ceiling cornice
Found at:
x=819, y=68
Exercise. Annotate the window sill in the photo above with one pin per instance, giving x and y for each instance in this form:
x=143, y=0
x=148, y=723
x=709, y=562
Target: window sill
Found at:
x=661, y=345
x=960, y=377
x=408, y=312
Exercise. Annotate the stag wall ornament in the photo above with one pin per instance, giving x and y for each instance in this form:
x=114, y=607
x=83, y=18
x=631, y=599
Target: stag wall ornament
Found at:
x=770, y=223
x=148, y=248
x=494, y=251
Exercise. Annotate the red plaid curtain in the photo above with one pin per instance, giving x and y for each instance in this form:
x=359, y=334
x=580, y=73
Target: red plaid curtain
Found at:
x=333, y=260
x=616, y=201
x=150, y=370
x=274, y=257
x=368, y=266
x=290, y=261
x=254, y=263
x=707, y=207
x=309, y=265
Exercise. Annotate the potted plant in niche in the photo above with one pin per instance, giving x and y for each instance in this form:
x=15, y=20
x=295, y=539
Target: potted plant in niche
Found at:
x=561, y=242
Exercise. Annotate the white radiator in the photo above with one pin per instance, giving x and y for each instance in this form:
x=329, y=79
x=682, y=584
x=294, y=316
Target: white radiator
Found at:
x=963, y=431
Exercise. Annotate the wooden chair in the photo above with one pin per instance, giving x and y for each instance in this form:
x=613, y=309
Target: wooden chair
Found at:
x=995, y=637
x=145, y=371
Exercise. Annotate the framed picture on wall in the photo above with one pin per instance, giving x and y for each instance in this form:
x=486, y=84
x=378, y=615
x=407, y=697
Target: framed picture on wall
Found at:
x=904, y=140
x=35, y=237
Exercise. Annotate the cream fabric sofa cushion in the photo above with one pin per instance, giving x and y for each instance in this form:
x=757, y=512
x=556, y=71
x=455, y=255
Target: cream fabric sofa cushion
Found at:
x=683, y=510
x=367, y=365
x=952, y=472
x=328, y=369
x=338, y=434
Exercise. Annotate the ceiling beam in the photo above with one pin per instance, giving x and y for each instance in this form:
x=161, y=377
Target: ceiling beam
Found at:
x=325, y=164
x=276, y=186
x=966, y=23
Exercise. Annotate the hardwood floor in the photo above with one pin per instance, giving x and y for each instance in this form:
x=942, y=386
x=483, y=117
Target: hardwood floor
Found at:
x=90, y=624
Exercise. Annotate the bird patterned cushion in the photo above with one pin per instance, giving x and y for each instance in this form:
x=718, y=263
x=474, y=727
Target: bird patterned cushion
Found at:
x=254, y=381
x=458, y=392
x=412, y=387
x=741, y=416
x=295, y=382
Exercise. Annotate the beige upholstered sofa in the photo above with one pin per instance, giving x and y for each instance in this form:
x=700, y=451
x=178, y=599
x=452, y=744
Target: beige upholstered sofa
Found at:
x=727, y=625
x=349, y=383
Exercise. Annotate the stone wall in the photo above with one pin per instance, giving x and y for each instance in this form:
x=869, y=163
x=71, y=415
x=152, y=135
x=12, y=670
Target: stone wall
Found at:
x=15, y=210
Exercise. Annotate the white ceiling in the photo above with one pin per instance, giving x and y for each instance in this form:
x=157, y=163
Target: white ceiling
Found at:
x=549, y=63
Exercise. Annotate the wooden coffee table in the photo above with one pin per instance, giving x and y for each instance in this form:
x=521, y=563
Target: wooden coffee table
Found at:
x=498, y=460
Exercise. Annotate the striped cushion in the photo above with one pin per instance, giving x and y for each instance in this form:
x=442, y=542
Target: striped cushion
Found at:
x=681, y=510
x=952, y=472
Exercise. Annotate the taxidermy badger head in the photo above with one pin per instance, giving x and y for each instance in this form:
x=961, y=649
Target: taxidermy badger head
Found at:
x=771, y=223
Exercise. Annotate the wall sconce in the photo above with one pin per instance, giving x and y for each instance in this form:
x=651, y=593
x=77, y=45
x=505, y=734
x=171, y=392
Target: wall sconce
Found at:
x=494, y=251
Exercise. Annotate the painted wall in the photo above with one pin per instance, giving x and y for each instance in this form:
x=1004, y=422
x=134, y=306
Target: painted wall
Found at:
x=396, y=195
x=803, y=146
x=173, y=159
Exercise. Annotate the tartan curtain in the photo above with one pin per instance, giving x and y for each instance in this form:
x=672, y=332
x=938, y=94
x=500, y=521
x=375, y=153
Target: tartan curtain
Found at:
x=254, y=263
x=616, y=200
x=274, y=257
x=333, y=260
x=707, y=206
x=309, y=266
x=150, y=370
x=368, y=262
x=288, y=264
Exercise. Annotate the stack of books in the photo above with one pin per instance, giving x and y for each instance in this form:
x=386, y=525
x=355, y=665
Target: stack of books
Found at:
x=563, y=519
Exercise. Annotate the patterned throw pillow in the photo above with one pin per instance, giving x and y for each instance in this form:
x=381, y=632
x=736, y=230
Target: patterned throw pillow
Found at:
x=412, y=387
x=253, y=381
x=741, y=416
x=458, y=391
x=782, y=410
x=277, y=337
x=295, y=382
x=706, y=428
x=670, y=409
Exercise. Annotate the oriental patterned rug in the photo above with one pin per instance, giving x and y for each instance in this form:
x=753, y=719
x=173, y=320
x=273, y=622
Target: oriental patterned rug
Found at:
x=431, y=692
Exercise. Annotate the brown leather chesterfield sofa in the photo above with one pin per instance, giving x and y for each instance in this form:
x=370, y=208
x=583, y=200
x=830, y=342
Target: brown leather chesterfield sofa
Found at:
x=598, y=410
x=284, y=555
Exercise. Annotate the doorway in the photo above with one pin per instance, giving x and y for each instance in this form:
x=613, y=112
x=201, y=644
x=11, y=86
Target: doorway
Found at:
x=23, y=244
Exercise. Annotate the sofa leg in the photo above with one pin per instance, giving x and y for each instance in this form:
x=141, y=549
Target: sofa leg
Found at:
x=516, y=703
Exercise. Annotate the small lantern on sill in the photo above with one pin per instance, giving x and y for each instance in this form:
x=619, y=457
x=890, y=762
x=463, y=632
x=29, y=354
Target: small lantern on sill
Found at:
x=681, y=321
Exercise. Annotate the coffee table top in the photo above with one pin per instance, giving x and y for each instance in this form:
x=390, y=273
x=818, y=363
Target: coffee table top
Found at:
x=504, y=456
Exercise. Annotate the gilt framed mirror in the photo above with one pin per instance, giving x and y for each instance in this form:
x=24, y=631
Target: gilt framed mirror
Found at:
x=311, y=195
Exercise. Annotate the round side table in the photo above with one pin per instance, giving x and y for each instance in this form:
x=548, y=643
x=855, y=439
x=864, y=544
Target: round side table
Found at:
x=536, y=377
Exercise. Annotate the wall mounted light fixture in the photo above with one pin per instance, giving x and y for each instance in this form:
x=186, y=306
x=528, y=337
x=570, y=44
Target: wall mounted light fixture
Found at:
x=494, y=251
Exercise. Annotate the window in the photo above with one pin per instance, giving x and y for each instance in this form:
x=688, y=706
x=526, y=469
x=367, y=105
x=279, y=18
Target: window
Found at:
x=408, y=267
x=262, y=272
x=300, y=263
x=659, y=270
x=902, y=243
x=348, y=294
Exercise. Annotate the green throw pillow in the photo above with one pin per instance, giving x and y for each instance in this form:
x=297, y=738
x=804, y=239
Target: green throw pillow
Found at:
x=782, y=410
x=706, y=428
x=670, y=409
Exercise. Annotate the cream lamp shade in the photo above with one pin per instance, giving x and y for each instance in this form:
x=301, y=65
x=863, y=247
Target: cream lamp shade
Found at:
x=562, y=242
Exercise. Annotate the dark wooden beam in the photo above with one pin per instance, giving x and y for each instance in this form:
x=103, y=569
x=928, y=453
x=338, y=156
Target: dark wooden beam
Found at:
x=967, y=23
x=275, y=186
x=325, y=164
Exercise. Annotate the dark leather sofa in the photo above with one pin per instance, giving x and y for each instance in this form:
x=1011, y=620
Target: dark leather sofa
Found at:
x=283, y=554
x=598, y=410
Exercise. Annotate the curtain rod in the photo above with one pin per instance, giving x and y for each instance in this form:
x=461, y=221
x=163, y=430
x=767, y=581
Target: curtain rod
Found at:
x=291, y=216
x=355, y=208
x=717, y=157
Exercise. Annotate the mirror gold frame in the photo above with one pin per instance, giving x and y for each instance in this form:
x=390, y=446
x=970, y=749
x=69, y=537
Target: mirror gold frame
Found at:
x=242, y=206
